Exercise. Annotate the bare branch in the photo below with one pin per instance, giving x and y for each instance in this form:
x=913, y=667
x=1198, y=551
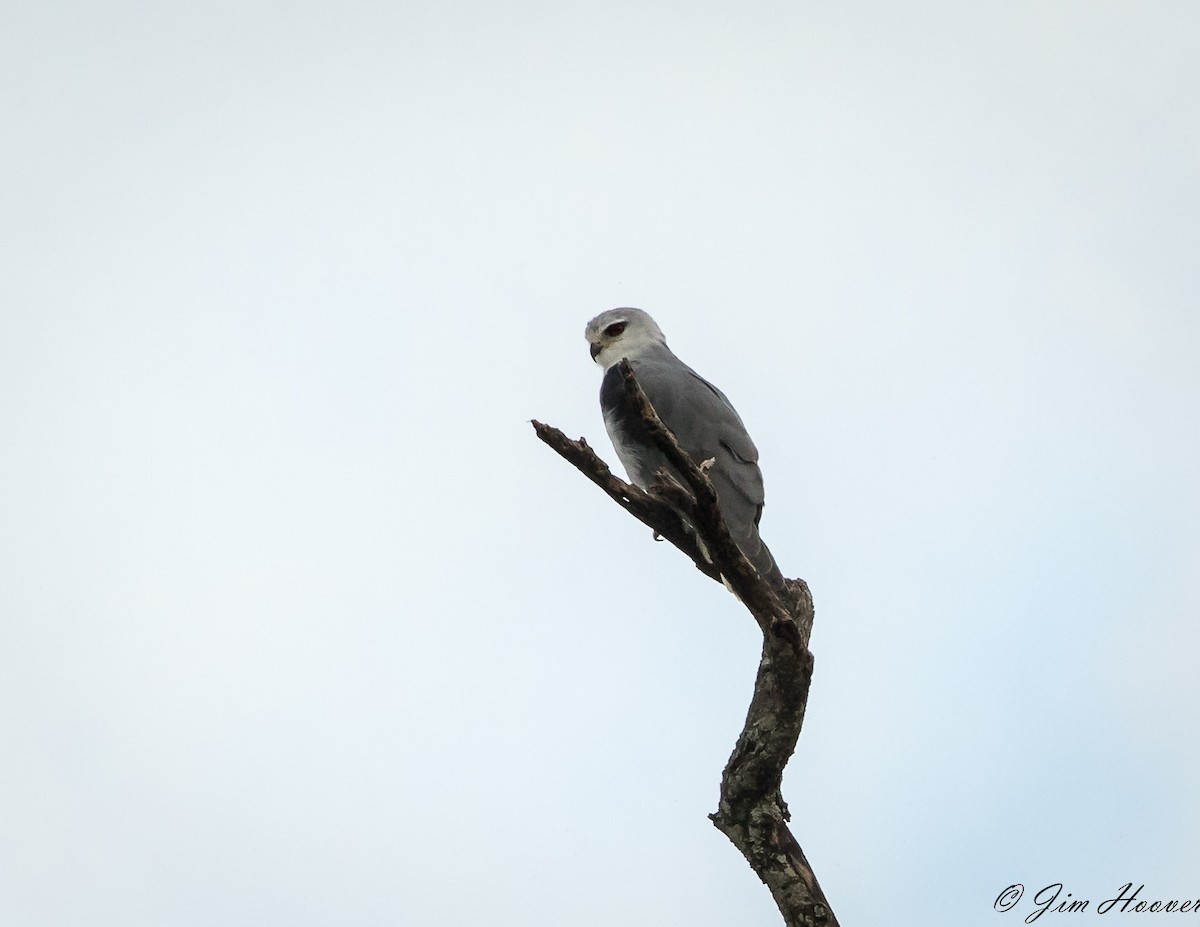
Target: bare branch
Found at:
x=655, y=514
x=751, y=811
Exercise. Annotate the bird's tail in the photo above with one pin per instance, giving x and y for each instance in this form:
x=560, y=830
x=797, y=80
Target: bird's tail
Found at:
x=763, y=561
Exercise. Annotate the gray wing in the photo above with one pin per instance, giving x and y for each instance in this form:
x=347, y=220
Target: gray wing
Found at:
x=707, y=426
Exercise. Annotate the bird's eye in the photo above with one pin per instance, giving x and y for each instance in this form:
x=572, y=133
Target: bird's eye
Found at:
x=615, y=329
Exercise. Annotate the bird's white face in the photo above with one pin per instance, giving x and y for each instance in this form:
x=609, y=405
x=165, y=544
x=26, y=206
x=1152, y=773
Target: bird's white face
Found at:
x=621, y=333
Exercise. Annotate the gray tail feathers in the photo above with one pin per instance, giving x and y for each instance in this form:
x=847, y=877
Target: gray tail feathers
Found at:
x=750, y=543
x=762, y=561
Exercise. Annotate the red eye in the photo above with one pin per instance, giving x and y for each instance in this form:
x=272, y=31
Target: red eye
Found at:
x=615, y=329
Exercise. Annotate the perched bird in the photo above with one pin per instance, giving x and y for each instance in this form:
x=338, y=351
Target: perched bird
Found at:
x=702, y=419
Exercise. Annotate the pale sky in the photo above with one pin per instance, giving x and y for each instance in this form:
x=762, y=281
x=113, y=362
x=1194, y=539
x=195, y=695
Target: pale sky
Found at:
x=300, y=624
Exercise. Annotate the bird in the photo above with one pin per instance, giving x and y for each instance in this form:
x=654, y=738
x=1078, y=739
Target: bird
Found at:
x=702, y=419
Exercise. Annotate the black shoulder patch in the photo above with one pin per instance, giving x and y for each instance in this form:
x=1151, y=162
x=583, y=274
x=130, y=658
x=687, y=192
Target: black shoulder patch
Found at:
x=617, y=407
x=612, y=390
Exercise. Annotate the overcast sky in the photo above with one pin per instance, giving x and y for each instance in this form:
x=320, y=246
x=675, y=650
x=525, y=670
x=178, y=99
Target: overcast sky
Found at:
x=300, y=624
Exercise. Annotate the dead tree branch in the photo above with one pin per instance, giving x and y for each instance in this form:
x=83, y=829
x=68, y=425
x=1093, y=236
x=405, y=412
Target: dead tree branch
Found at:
x=751, y=811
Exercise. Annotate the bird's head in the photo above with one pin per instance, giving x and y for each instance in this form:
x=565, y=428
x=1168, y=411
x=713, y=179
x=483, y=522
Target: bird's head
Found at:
x=621, y=333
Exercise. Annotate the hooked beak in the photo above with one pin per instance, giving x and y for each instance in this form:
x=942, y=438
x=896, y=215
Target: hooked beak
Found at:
x=595, y=349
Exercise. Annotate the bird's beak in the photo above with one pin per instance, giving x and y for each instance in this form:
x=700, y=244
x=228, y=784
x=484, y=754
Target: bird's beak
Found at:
x=595, y=349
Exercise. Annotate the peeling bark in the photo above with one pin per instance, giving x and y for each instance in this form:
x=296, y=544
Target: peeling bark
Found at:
x=751, y=811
